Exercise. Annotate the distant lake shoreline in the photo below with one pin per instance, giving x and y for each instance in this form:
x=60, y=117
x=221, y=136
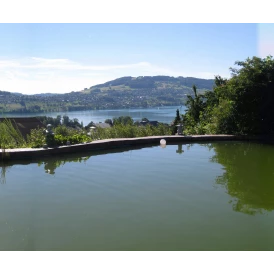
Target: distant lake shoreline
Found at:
x=164, y=114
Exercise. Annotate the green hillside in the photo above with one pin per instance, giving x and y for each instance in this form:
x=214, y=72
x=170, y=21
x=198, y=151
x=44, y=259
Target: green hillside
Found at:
x=153, y=82
x=125, y=92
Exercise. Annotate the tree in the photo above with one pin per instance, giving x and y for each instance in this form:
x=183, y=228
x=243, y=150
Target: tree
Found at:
x=50, y=120
x=176, y=121
x=252, y=90
x=241, y=105
x=65, y=120
x=109, y=121
x=123, y=120
x=195, y=105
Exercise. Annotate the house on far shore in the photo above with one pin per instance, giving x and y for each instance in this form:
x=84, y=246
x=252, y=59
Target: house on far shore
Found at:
x=102, y=125
x=151, y=123
x=25, y=124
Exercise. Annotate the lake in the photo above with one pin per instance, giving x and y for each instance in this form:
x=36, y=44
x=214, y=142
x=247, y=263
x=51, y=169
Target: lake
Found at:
x=207, y=196
x=160, y=114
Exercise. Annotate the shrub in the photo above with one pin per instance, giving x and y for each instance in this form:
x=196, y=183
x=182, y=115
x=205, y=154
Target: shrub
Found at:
x=36, y=138
x=73, y=139
x=10, y=136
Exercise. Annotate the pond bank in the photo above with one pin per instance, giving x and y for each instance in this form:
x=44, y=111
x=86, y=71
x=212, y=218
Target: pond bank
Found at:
x=30, y=153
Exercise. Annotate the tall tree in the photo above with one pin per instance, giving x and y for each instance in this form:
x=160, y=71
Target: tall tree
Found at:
x=194, y=104
x=241, y=105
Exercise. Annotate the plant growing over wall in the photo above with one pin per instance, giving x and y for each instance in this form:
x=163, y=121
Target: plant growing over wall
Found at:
x=10, y=136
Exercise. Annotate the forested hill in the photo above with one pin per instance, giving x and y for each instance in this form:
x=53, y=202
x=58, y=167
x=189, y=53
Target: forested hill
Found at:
x=125, y=92
x=155, y=82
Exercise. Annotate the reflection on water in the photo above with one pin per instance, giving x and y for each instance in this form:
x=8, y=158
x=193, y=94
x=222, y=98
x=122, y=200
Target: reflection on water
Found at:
x=180, y=149
x=3, y=173
x=248, y=175
x=51, y=164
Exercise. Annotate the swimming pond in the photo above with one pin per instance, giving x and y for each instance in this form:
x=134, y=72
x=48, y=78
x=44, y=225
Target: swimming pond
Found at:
x=210, y=196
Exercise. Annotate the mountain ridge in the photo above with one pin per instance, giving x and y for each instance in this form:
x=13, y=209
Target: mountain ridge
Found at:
x=159, y=82
x=124, y=92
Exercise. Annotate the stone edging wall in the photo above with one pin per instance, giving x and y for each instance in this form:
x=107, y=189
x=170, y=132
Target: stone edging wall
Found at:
x=30, y=153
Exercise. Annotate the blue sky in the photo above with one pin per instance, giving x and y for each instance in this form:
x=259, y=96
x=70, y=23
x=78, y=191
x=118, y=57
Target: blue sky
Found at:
x=60, y=58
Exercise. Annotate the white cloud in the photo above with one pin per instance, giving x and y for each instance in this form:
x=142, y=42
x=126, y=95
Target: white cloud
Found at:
x=39, y=75
x=35, y=75
x=61, y=64
x=52, y=84
x=8, y=64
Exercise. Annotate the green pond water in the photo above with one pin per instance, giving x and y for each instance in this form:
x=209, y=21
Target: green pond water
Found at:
x=214, y=196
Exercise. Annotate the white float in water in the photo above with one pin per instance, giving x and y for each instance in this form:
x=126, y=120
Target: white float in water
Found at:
x=163, y=143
